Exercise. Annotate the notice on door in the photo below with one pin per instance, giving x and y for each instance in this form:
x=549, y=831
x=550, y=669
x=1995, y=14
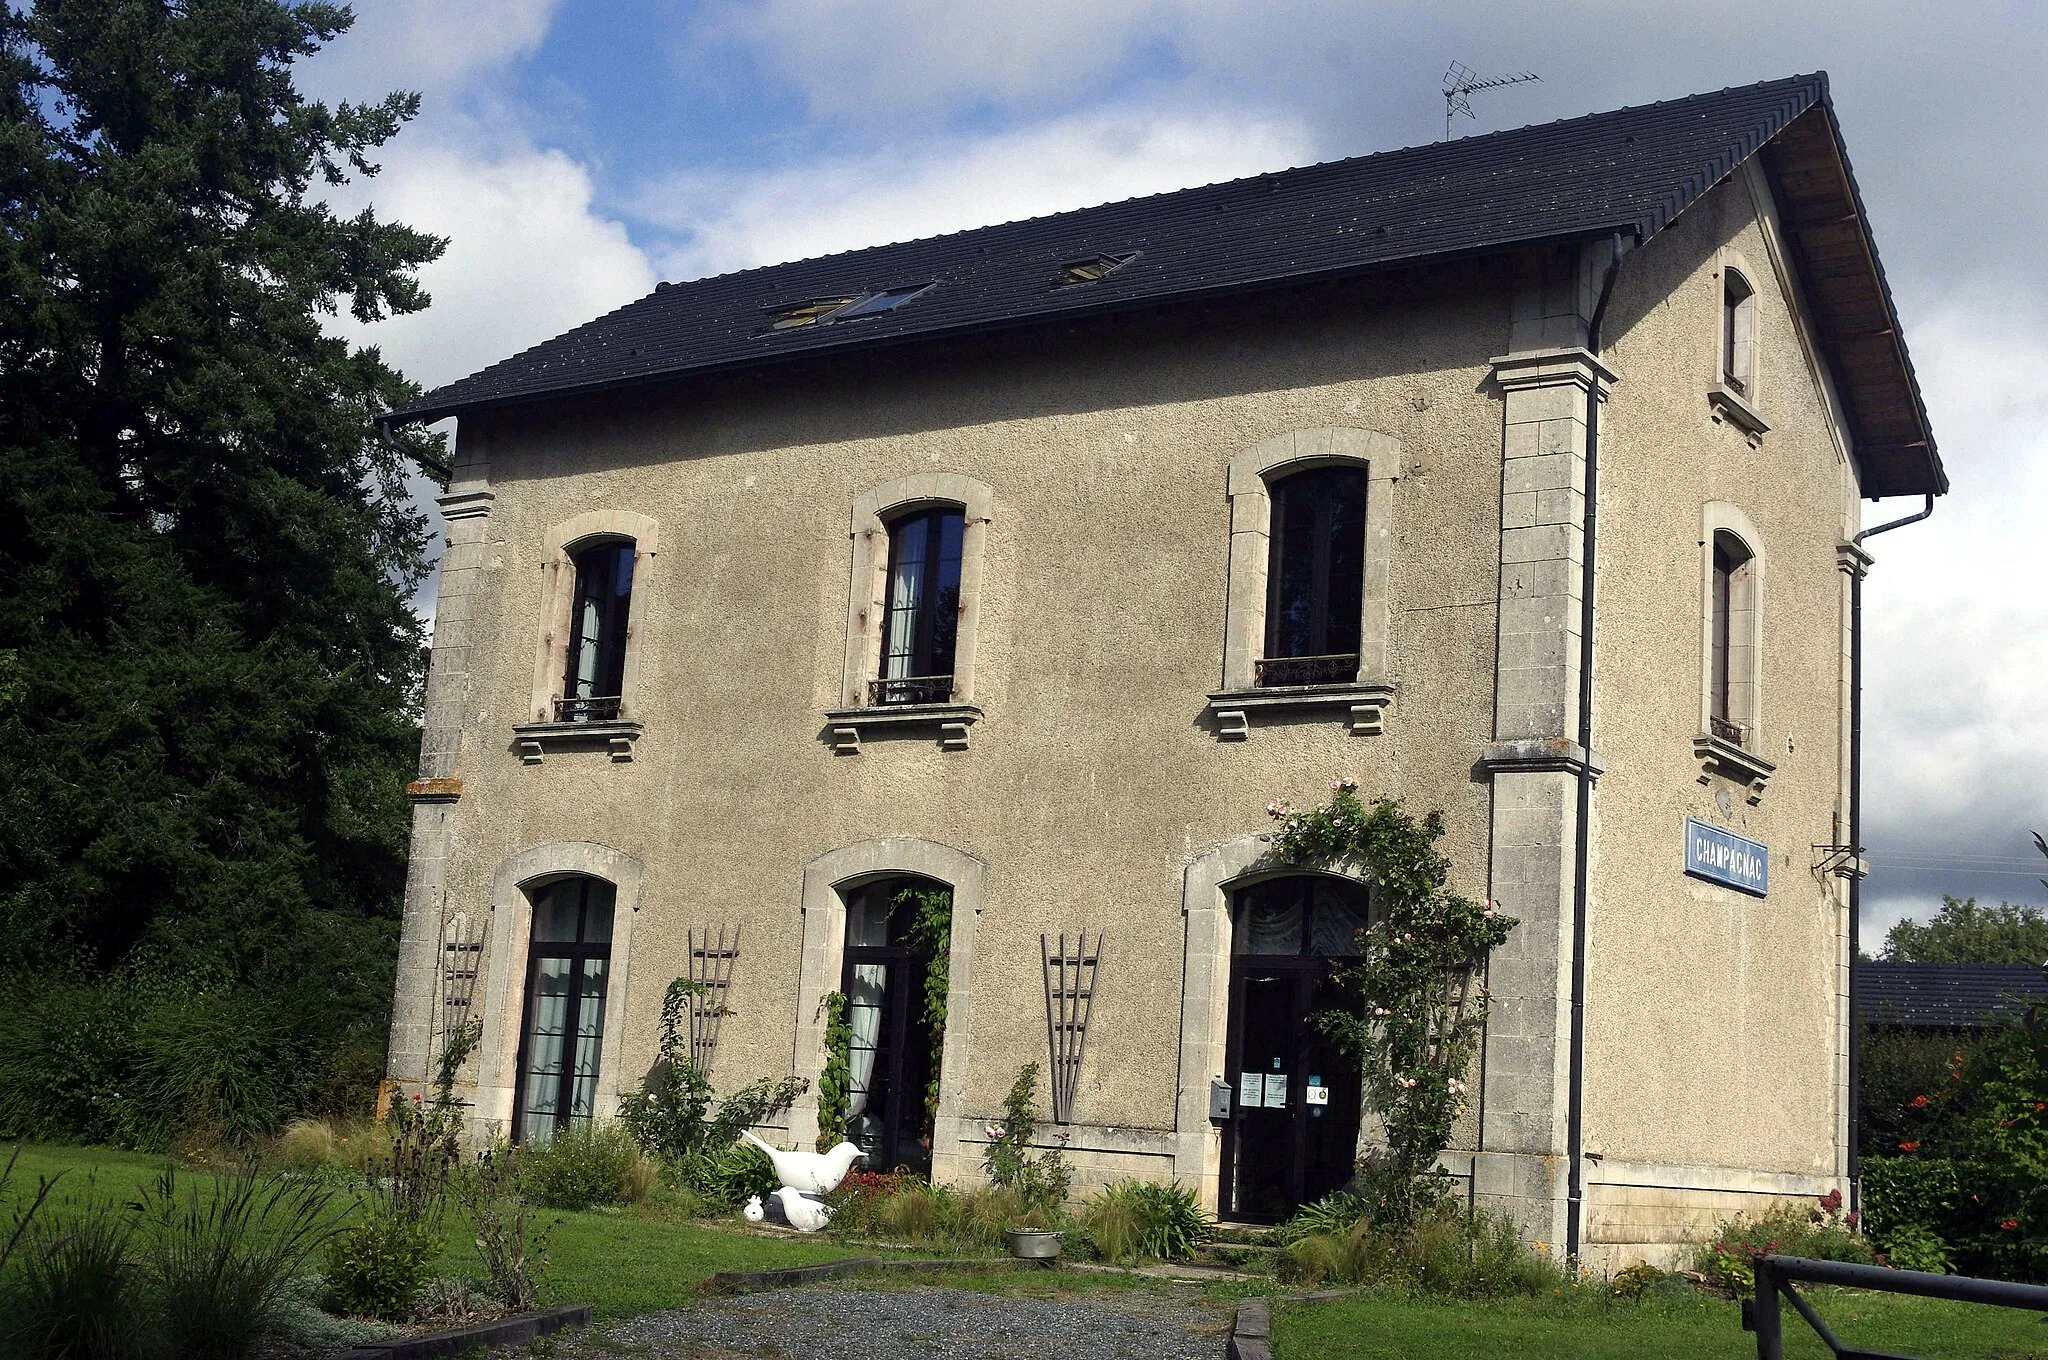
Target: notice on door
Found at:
x=1315, y=1092
x=1251, y=1090
x=1276, y=1090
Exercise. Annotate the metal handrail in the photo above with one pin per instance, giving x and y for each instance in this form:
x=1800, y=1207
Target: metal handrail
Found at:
x=910, y=689
x=590, y=708
x=1775, y=1275
x=1727, y=731
x=1280, y=672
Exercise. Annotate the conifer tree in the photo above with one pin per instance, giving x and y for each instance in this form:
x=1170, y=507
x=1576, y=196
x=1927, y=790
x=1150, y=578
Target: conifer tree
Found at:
x=208, y=667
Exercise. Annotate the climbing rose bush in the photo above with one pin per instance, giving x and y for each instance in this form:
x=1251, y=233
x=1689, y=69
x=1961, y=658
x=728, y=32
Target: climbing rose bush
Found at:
x=1421, y=1007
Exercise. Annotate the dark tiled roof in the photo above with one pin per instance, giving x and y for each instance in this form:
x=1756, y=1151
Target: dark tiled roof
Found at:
x=1631, y=171
x=1945, y=995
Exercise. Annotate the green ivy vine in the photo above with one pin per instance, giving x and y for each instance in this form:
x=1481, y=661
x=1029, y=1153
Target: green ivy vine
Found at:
x=1416, y=978
x=835, y=1082
x=930, y=934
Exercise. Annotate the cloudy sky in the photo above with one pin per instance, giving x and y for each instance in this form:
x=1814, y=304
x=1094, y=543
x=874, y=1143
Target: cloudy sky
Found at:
x=576, y=153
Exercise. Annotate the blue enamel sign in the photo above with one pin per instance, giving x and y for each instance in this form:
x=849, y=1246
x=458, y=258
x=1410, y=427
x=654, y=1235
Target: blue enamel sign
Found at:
x=1721, y=856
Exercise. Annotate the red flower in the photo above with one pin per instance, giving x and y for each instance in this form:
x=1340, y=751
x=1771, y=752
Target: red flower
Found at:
x=1913, y=1146
x=2009, y=1224
x=1919, y=1102
x=1831, y=1201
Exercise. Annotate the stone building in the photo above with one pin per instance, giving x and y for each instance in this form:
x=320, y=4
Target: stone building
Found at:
x=1517, y=477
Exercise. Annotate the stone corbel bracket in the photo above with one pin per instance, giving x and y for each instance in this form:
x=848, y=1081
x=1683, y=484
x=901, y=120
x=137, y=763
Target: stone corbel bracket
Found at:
x=846, y=727
x=532, y=740
x=1718, y=756
x=1365, y=706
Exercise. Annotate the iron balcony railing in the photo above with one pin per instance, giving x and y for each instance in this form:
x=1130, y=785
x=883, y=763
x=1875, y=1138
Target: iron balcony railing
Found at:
x=595, y=708
x=1337, y=669
x=1775, y=1276
x=1725, y=730
x=910, y=689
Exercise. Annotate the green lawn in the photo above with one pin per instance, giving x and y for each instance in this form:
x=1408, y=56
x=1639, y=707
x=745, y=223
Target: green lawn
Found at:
x=621, y=1262
x=1388, y=1326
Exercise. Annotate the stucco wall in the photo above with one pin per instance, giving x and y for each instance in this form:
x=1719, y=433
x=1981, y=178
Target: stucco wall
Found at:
x=1094, y=775
x=1713, y=1017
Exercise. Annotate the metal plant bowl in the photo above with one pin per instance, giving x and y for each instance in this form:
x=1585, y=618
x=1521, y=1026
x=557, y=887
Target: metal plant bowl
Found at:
x=1035, y=1244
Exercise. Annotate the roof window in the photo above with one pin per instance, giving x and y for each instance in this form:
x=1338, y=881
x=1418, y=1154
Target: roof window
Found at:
x=1093, y=267
x=806, y=313
x=817, y=311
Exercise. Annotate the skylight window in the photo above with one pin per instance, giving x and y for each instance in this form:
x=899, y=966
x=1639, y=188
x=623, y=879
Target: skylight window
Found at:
x=1093, y=267
x=888, y=300
x=806, y=313
x=817, y=311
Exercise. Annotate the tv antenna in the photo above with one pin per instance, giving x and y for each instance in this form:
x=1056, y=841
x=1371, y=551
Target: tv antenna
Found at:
x=1461, y=82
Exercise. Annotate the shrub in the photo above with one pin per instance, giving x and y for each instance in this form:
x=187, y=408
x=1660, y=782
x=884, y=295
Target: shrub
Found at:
x=303, y=1145
x=75, y=1291
x=380, y=1266
x=1913, y=1247
x=1136, y=1220
x=669, y=1115
x=728, y=1177
x=219, y=1066
x=1819, y=1231
x=1481, y=1256
x=514, y=1253
x=1910, y=1198
x=222, y=1260
x=1041, y=1181
x=303, y=1324
x=1335, y=1213
x=583, y=1166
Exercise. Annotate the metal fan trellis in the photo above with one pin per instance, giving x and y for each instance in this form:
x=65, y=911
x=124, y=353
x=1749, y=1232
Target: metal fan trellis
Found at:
x=1070, y=980
x=711, y=965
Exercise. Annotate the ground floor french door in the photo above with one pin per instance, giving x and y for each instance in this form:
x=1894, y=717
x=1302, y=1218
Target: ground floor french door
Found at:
x=892, y=1048
x=1293, y=1132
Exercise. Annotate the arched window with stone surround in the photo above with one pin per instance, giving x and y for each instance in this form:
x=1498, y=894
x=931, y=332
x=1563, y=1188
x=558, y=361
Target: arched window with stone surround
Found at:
x=921, y=606
x=1738, y=331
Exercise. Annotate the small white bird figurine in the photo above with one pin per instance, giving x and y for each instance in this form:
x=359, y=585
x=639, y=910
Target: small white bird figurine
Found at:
x=805, y=1213
x=814, y=1173
x=753, y=1212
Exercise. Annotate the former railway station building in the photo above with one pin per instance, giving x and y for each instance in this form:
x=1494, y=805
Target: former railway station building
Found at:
x=1517, y=477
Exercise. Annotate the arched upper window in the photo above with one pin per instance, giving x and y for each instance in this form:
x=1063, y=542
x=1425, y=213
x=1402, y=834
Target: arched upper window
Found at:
x=921, y=615
x=1315, y=577
x=1731, y=640
x=561, y=1036
x=598, y=621
x=1738, y=332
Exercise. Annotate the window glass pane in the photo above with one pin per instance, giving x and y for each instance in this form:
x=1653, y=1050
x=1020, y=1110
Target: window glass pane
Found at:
x=1340, y=914
x=1269, y=920
x=864, y=1018
x=1317, y=564
x=867, y=916
x=885, y=301
x=548, y=1013
x=589, y=1039
x=907, y=569
x=555, y=910
x=952, y=527
x=597, y=914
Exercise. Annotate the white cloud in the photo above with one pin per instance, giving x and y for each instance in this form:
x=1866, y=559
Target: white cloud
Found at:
x=433, y=46
x=528, y=256
x=923, y=189
x=1955, y=732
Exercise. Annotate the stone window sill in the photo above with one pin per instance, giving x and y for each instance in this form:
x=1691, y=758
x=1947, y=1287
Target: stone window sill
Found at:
x=1731, y=406
x=532, y=740
x=1718, y=756
x=1365, y=706
x=845, y=727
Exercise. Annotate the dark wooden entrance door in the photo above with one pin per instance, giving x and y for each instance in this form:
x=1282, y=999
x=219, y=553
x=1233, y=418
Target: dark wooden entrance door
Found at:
x=1293, y=1134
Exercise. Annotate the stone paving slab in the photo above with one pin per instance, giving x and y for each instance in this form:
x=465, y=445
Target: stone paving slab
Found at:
x=928, y=1323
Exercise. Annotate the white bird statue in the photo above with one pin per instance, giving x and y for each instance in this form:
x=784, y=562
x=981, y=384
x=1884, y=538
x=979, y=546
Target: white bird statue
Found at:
x=805, y=1213
x=753, y=1212
x=814, y=1173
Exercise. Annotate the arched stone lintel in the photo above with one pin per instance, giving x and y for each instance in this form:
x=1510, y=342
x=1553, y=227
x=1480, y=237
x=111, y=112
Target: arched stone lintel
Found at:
x=643, y=530
x=824, y=951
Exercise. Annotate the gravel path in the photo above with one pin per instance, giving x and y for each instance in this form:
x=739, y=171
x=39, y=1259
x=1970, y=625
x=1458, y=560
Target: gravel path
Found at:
x=929, y=1323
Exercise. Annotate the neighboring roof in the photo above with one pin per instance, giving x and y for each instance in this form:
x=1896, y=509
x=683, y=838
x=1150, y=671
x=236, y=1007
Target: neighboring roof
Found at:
x=1631, y=172
x=1946, y=995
